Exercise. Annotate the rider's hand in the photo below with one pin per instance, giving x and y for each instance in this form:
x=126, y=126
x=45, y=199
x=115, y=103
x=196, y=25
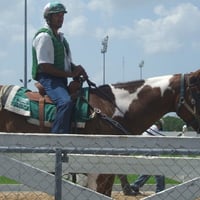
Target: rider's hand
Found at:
x=79, y=71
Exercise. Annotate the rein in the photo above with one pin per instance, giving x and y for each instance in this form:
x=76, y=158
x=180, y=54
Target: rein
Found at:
x=182, y=102
x=91, y=84
x=97, y=111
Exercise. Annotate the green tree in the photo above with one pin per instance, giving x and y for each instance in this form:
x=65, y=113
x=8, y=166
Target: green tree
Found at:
x=172, y=123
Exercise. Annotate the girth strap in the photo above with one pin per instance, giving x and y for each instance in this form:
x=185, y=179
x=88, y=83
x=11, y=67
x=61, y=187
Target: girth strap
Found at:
x=35, y=96
x=41, y=112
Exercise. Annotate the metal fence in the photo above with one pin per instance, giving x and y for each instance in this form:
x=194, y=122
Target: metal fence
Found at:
x=41, y=164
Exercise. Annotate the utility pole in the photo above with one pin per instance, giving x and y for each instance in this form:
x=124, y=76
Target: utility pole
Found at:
x=25, y=44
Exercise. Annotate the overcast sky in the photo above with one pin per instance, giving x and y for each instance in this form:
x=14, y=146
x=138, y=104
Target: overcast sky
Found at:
x=163, y=33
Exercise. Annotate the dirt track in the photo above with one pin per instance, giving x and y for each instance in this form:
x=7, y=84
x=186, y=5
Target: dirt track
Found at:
x=121, y=196
x=43, y=196
x=24, y=196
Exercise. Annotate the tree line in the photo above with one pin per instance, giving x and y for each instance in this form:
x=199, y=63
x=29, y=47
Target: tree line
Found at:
x=173, y=123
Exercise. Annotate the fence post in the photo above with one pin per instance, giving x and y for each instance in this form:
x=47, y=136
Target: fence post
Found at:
x=58, y=175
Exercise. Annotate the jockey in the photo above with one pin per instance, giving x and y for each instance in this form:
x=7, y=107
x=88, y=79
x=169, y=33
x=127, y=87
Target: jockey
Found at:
x=52, y=65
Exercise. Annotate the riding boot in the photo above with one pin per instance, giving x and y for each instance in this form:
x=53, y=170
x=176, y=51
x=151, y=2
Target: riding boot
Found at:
x=126, y=188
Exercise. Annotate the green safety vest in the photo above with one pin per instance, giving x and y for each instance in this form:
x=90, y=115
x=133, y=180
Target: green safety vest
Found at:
x=59, y=55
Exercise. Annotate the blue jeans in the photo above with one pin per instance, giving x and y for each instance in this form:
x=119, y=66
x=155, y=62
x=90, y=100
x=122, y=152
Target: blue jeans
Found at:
x=56, y=89
x=160, y=182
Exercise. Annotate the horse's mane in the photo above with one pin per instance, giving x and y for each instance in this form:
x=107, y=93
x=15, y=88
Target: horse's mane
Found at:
x=130, y=85
x=103, y=91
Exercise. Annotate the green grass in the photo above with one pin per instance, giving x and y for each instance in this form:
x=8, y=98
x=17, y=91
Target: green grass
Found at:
x=132, y=178
x=5, y=180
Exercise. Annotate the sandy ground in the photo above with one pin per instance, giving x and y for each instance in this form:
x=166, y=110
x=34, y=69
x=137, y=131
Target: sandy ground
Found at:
x=121, y=196
x=44, y=196
x=25, y=196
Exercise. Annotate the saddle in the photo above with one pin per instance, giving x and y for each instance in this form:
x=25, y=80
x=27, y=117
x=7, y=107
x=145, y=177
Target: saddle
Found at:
x=42, y=98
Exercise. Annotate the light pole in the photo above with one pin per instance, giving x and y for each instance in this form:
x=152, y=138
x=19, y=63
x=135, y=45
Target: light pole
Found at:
x=25, y=44
x=103, y=51
x=123, y=67
x=141, y=65
x=25, y=81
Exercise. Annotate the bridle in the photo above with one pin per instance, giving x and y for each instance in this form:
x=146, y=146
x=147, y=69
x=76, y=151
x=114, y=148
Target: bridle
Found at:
x=192, y=103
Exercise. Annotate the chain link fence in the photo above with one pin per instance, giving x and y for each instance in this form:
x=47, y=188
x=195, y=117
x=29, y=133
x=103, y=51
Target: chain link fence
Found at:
x=42, y=166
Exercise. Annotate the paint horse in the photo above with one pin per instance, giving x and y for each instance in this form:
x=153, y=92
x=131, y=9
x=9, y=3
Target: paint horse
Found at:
x=135, y=105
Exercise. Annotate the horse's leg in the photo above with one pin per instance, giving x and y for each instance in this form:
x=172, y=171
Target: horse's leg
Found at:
x=105, y=183
x=2, y=121
x=9, y=121
x=92, y=181
x=125, y=185
x=74, y=177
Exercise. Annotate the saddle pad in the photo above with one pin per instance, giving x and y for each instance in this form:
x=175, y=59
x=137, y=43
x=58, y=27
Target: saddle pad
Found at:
x=81, y=108
x=49, y=112
x=17, y=101
x=79, y=116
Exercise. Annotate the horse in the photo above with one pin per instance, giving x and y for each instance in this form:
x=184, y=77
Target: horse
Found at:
x=134, y=105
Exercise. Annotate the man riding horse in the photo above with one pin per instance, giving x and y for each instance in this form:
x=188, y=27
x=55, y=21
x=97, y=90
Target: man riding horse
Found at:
x=52, y=65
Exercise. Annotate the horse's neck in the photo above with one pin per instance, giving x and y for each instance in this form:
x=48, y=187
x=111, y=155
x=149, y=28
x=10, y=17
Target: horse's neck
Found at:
x=146, y=102
x=146, y=114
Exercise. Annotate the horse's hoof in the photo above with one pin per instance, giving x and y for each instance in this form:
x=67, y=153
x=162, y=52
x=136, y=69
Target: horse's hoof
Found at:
x=130, y=192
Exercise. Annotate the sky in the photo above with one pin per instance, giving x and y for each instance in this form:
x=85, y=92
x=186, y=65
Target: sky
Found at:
x=165, y=34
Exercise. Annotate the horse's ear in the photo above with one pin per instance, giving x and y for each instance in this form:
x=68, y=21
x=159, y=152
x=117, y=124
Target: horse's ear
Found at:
x=195, y=79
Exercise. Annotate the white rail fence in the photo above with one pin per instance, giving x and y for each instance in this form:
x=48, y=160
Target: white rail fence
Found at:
x=27, y=158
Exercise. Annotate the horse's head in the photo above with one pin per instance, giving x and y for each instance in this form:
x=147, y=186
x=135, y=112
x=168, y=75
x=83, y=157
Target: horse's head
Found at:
x=188, y=105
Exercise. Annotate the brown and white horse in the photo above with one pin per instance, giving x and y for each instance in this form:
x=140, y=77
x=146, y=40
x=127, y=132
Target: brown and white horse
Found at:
x=135, y=105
